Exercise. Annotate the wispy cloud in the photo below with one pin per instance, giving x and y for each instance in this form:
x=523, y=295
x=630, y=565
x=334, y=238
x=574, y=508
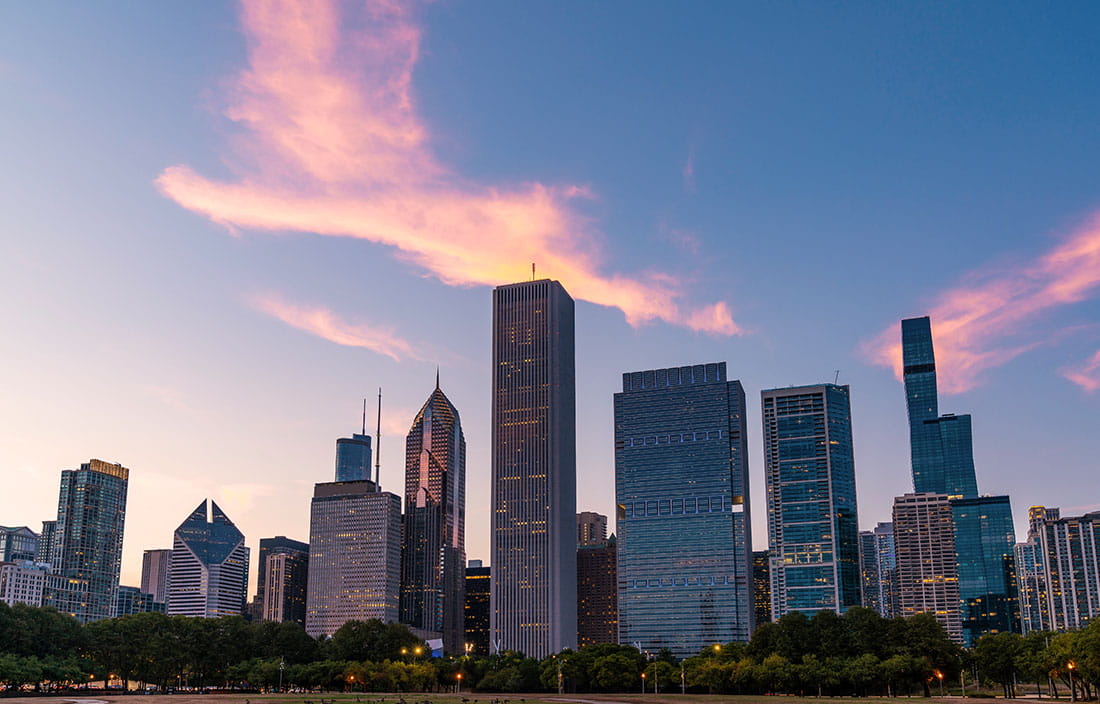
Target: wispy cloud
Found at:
x=993, y=316
x=326, y=324
x=1086, y=375
x=688, y=172
x=333, y=145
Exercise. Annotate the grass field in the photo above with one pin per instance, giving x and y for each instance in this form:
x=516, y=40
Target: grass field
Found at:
x=470, y=698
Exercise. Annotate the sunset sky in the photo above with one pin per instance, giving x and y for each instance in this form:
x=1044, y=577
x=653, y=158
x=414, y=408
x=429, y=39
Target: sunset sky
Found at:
x=222, y=226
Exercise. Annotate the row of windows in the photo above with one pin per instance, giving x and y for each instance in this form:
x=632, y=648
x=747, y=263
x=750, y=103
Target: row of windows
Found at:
x=672, y=438
x=675, y=507
x=704, y=581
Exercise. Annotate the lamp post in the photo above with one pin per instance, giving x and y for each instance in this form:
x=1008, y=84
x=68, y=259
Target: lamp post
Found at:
x=940, y=676
x=683, y=681
x=655, y=678
x=561, y=679
x=1072, y=689
x=643, y=682
x=458, y=683
x=282, y=666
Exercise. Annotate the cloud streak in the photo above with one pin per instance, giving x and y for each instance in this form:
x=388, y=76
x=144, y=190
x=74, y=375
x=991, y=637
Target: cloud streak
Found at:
x=1087, y=375
x=333, y=145
x=326, y=324
x=984, y=322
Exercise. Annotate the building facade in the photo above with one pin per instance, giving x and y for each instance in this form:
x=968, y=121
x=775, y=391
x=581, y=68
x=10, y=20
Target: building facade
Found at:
x=684, y=528
x=19, y=543
x=813, y=527
x=1031, y=573
x=354, y=556
x=132, y=600
x=433, y=551
x=154, y=574
x=353, y=458
x=927, y=571
x=869, y=572
x=476, y=609
x=1070, y=550
x=761, y=587
x=887, y=570
x=87, y=540
x=591, y=528
x=46, y=542
x=208, y=568
x=597, y=593
x=282, y=580
x=985, y=541
x=534, y=583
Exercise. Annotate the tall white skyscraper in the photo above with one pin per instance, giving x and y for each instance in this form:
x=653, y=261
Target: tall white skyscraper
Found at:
x=208, y=568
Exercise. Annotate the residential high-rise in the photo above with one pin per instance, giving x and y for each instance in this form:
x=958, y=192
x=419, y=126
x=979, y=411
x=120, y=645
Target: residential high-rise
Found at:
x=534, y=482
x=597, y=593
x=132, y=600
x=941, y=446
x=1031, y=573
x=809, y=470
x=208, y=568
x=887, y=570
x=682, y=490
x=46, y=542
x=985, y=541
x=478, y=578
x=354, y=556
x=31, y=583
x=87, y=540
x=761, y=587
x=927, y=572
x=281, y=580
x=591, y=528
x=869, y=571
x=433, y=552
x=154, y=574
x=19, y=543
x=1070, y=550
x=353, y=457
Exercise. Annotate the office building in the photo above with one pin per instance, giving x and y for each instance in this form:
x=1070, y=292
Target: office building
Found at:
x=354, y=556
x=433, y=552
x=985, y=541
x=597, y=593
x=46, y=541
x=887, y=570
x=154, y=574
x=19, y=543
x=1031, y=573
x=869, y=572
x=534, y=584
x=353, y=457
x=927, y=571
x=208, y=568
x=282, y=580
x=478, y=580
x=87, y=540
x=809, y=470
x=1070, y=550
x=591, y=528
x=132, y=600
x=32, y=583
x=684, y=528
x=761, y=587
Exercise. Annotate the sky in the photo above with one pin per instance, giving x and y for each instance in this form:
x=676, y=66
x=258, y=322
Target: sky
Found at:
x=224, y=225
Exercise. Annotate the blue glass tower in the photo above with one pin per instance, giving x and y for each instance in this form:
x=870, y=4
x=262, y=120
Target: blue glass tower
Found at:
x=353, y=457
x=813, y=530
x=681, y=485
x=985, y=541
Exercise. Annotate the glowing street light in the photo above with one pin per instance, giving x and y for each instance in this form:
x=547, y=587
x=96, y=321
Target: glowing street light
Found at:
x=1072, y=689
x=940, y=676
x=643, y=682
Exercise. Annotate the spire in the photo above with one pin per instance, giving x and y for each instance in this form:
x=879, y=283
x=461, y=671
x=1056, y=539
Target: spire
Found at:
x=364, y=417
x=378, y=446
x=437, y=377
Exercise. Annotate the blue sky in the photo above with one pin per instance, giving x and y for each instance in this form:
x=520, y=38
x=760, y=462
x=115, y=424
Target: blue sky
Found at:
x=821, y=169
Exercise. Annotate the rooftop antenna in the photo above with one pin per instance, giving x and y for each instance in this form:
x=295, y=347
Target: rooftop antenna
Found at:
x=364, y=432
x=437, y=377
x=532, y=271
x=378, y=446
x=836, y=377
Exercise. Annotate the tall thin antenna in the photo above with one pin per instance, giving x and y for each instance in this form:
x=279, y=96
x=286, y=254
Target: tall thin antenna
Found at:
x=532, y=271
x=378, y=446
x=364, y=432
x=836, y=379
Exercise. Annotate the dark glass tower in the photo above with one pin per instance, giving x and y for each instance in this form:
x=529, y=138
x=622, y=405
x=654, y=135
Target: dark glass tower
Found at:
x=478, y=578
x=353, y=456
x=433, y=552
x=813, y=528
x=985, y=540
x=285, y=564
x=534, y=484
x=682, y=489
x=87, y=540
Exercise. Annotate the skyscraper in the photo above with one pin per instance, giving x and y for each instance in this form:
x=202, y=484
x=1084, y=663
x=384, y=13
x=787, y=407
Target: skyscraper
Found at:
x=761, y=587
x=869, y=571
x=813, y=529
x=208, y=568
x=354, y=556
x=46, y=540
x=154, y=574
x=597, y=593
x=985, y=541
x=87, y=540
x=433, y=552
x=1070, y=551
x=132, y=600
x=887, y=569
x=281, y=578
x=478, y=579
x=534, y=583
x=1031, y=573
x=353, y=457
x=19, y=543
x=927, y=573
x=682, y=490
x=591, y=528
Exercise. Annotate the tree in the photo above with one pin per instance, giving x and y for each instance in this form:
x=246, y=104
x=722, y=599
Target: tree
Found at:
x=996, y=657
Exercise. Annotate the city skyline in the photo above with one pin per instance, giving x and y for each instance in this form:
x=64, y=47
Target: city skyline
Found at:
x=225, y=366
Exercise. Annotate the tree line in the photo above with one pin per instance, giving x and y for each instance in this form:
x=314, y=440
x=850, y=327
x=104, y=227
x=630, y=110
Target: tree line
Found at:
x=858, y=653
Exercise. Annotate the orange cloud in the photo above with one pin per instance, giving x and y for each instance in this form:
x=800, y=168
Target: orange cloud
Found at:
x=977, y=325
x=334, y=146
x=326, y=324
x=1087, y=376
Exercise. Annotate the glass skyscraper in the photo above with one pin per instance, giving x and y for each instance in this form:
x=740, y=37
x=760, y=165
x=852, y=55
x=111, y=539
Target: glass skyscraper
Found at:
x=433, y=552
x=87, y=540
x=985, y=541
x=353, y=457
x=809, y=470
x=208, y=567
x=682, y=493
x=534, y=463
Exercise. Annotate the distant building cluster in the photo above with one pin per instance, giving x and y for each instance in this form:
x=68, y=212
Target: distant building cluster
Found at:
x=678, y=573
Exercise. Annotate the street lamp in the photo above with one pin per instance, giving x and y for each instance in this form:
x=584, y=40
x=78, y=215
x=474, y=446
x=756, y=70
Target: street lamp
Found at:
x=458, y=683
x=282, y=666
x=940, y=676
x=655, y=678
x=417, y=650
x=1072, y=689
x=717, y=648
x=643, y=682
x=683, y=682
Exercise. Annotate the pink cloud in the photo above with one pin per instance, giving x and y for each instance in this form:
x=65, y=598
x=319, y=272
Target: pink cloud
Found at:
x=326, y=324
x=1087, y=375
x=977, y=325
x=334, y=146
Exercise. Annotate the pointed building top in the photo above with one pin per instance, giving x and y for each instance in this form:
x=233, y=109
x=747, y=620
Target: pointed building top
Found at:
x=437, y=377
